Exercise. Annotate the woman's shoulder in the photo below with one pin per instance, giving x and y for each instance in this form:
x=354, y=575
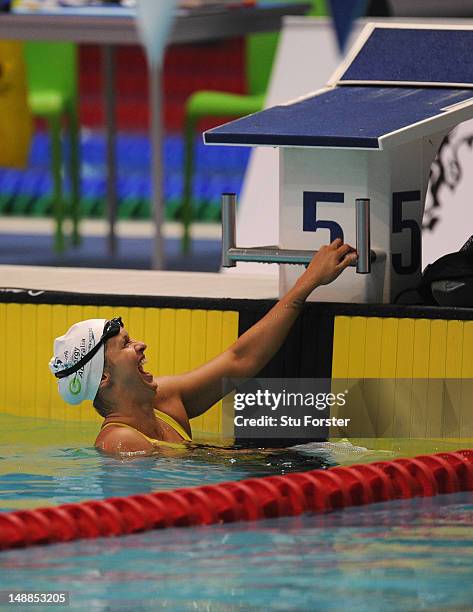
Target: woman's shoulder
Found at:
x=116, y=439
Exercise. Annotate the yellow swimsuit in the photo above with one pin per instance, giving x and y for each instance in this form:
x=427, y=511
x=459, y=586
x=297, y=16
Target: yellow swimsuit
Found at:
x=167, y=419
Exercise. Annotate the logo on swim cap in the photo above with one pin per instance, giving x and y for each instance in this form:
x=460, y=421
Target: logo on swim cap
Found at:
x=75, y=386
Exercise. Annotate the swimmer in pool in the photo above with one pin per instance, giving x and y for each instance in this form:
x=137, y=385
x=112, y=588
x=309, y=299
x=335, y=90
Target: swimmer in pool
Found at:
x=97, y=360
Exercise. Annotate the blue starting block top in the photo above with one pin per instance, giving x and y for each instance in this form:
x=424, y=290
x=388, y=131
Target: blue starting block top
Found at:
x=354, y=117
x=408, y=55
x=397, y=78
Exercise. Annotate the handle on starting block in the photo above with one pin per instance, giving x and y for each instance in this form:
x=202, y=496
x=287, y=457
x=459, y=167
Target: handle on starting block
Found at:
x=228, y=228
x=363, y=241
x=273, y=254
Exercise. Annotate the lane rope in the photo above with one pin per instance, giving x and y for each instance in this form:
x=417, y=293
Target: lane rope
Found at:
x=246, y=500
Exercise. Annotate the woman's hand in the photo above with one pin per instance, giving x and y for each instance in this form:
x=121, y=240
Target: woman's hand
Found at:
x=328, y=263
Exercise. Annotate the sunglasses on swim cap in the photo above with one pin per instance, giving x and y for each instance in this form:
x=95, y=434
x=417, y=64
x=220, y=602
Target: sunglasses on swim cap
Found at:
x=111, y=329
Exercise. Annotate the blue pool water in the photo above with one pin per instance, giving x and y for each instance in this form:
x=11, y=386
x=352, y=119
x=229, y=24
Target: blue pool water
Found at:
x=45, y=463
x=406, y=555
x=389, y=557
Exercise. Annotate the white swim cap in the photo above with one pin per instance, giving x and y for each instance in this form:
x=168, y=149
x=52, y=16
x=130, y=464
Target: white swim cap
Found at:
x=69, y=349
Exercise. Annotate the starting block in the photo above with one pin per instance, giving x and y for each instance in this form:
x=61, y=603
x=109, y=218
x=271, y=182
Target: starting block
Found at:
x=369, y=136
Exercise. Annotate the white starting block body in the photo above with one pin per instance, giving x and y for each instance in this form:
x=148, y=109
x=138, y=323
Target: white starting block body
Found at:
x=324, y=184
x=373, y=133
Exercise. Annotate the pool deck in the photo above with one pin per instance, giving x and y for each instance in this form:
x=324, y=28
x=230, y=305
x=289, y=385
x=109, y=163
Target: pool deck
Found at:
x=139, y=282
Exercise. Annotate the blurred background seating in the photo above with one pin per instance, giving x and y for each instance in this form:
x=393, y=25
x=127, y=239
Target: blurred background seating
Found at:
x=52, y=96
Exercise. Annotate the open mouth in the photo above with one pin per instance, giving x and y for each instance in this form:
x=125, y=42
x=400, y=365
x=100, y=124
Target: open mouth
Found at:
x=147, y=376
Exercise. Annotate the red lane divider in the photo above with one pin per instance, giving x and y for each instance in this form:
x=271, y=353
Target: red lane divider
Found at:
x=246, y=500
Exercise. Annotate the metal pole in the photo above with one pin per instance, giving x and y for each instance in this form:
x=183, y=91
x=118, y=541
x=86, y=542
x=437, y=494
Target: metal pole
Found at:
x=108, y=59
x=228, y=228
x=156, y=138
x=363, y=241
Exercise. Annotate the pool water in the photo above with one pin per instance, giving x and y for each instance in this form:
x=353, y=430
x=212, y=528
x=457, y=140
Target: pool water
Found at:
x=399, y=556
x=44, y=463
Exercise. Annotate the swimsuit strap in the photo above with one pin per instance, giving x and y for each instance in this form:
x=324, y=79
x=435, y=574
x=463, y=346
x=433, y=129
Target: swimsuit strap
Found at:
x=178, y=428
x=153, y=441
x=164, y=417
